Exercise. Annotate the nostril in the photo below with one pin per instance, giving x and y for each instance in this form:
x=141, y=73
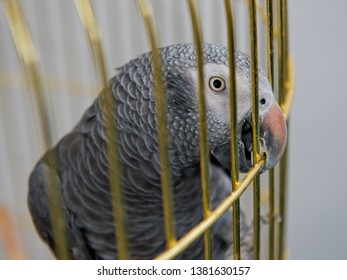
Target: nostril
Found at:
x=262, y=101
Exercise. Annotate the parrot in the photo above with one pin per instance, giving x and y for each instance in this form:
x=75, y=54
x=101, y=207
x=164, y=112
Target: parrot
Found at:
x=78, y=165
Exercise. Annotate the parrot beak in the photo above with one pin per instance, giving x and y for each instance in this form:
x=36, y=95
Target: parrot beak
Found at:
x=273, y=135
x=273, y=139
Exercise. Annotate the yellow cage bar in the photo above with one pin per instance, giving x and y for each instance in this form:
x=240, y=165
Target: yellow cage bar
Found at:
x=270, y=74
x=94, y=35
x=204, y=158
x=255, y=124
x=30, y=63
x=282, y=80
x=168, y=203
x=234, y=131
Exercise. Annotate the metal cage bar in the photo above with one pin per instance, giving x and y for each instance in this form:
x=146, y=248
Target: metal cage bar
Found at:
x=255, y=123
x=289, y=85
x=204, y=156
x=270, y=74
x=233, y=125
x=94, y=35
x=168, y=203
x=283, y=77
x=30, y=62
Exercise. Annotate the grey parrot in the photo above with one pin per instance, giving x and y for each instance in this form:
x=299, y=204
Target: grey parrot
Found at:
x=80, y=166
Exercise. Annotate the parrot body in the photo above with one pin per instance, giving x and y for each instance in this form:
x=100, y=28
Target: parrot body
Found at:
x=78, y=164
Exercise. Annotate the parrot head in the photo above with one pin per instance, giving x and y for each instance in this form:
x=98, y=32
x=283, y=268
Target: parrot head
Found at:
x=273, y=131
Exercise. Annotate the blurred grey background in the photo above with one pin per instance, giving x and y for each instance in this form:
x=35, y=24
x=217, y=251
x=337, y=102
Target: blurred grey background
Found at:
x=318, y=190
x=317, y=224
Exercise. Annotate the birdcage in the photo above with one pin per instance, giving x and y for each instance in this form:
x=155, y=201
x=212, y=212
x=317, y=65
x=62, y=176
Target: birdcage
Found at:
x=258, y=26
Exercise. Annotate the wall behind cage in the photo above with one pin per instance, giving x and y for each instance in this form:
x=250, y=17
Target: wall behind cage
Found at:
x=70, y=79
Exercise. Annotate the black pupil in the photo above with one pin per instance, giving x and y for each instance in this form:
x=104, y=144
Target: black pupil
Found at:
x=217, y=84
x=262, y=101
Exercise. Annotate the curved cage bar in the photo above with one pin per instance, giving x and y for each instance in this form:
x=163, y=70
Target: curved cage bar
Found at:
x=270, y=74
x=29, y=59
x=94, y=35
x=204, y=158
x=168, y=203
x=234, y=130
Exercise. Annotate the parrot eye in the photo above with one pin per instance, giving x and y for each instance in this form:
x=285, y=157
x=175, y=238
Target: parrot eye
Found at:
x=217, y=83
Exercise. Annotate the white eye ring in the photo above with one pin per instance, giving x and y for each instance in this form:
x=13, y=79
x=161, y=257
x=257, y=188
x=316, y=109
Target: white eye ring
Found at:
x=217, y=83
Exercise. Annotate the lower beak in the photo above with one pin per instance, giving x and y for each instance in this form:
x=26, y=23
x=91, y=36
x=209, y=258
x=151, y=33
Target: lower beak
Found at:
x=274, y=133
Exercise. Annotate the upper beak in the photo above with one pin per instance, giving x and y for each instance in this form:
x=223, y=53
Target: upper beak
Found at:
x=273, y=130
